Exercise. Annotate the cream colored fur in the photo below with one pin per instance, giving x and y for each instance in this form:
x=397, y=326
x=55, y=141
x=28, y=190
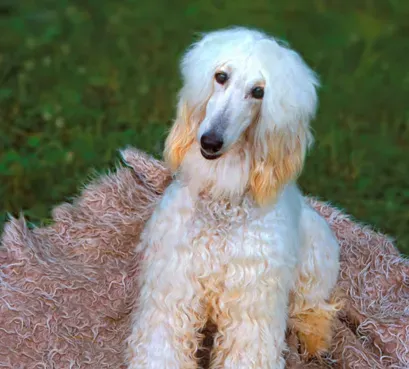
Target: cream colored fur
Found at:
x=232, y=240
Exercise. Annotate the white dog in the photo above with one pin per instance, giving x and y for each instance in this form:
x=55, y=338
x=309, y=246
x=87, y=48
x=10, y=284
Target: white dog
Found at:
x=232, y=241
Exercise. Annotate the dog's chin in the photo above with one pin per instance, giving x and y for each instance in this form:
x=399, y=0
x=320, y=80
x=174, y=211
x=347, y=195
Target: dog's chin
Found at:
x=210, y=156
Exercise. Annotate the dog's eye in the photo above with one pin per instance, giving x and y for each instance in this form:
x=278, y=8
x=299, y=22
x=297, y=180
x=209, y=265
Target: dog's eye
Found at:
x=257, y=92
x=221, y=78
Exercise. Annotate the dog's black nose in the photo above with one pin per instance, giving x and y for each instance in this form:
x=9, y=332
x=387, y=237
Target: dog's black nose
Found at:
x=211, y=142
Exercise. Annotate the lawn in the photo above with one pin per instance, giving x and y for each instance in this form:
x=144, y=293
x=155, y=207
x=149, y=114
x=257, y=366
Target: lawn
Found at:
x=81, y=79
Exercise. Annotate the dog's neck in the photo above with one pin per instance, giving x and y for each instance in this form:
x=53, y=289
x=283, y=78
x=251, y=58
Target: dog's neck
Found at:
x=223, y=179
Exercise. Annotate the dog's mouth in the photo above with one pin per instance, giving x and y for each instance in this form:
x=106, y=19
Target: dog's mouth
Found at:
x=210, y=156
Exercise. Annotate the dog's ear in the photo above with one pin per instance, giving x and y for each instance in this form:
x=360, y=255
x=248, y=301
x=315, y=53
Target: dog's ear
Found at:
x=279, y=163
x=282, y=134
x=181, y=136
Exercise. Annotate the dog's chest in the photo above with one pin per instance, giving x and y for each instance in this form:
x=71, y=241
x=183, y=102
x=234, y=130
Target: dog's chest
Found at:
x=221, y=231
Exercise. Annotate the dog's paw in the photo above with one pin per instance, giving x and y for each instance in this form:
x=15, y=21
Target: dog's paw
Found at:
x=314, y=345
x=314, y=330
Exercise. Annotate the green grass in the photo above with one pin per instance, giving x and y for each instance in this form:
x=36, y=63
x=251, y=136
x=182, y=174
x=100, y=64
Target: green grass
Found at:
x=81, y=79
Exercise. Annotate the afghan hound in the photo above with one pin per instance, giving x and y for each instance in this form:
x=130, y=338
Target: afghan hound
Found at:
x=233, y=241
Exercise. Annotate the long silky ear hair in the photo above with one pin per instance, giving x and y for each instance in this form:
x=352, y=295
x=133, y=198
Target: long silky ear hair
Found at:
x=278, y=158
x=281, y=135
x=182, y=133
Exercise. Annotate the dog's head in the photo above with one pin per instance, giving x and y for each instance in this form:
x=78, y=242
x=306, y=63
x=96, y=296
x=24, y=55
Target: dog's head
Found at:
x=242, y=85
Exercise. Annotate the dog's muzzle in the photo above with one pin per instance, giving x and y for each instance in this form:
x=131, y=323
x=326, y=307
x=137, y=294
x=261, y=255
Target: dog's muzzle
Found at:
x=211, y=144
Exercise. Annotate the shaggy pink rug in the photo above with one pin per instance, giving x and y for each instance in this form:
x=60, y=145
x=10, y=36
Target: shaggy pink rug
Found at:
x=66, y=290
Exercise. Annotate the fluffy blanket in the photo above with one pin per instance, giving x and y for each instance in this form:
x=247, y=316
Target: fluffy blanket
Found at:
x=66, y=290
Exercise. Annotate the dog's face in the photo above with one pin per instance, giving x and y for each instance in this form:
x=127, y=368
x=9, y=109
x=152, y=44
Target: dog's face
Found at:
x=234, y=104
x=245, y=89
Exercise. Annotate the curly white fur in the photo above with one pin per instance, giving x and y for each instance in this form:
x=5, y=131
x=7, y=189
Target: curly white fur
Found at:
x=232, y=240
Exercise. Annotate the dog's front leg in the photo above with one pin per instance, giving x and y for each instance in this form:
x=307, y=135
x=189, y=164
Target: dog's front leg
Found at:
x=169, y=312
x=312, y=310
x=165, y=332
x=251, y=318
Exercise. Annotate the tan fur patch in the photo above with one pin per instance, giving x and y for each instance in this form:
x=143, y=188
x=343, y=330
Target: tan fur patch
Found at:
x=183, y=132
x=180, y=138
x=315, y=328
x=281, y=164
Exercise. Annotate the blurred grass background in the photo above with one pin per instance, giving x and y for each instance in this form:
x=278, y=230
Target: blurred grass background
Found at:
x=81, y=79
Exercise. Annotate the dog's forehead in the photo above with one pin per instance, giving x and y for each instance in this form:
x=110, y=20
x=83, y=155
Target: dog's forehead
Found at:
x=244, y=71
